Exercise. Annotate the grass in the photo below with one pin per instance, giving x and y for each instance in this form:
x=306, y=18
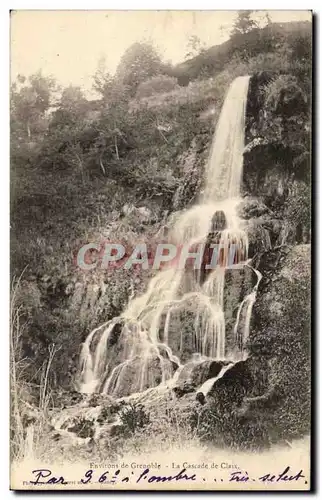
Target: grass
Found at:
x=27, y=421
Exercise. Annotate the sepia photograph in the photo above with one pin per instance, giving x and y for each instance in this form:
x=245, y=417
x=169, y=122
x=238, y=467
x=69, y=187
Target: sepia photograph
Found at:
x=160, y=250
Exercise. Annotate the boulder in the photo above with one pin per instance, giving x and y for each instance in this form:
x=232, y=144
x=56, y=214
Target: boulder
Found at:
x=195, y=373
x=251, y=208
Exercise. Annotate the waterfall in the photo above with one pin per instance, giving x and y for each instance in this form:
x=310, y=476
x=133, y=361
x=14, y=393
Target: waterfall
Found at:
x=245, y=309
x=206, y=386
x=145, y=347
x=224, y=171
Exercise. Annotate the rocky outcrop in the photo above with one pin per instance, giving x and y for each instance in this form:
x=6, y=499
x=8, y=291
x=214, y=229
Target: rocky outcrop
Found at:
x=277, y=137
x=195, y=373
x=238, y=284
x=266, y=398
x=191, y=165
x=281, y=334
x=284, y=306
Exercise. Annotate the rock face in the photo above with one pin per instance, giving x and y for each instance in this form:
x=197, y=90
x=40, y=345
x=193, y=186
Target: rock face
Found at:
x=192, y=164
x=273, y=179
x=277, y=137
x=259, y=401
x=281, y=334
x=284, y=307
x=238, y=284
x=266, y=398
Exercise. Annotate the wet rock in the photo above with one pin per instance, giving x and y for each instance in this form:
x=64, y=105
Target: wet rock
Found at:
x=184, y=388
x=222, y=420
x=191, y=164
x=256, y=100
x=205, y=370
x=182, y=333
x=251, y=208
x=218, y=221
x=272, y=181
x=102, y=400
x=182, y=338
x=233, y=385
x=238, y=284
x=134, y=375
x=195, y=373
x=200, y=397
x=260, y=235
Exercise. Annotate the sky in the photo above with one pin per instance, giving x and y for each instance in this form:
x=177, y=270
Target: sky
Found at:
x=69, y=44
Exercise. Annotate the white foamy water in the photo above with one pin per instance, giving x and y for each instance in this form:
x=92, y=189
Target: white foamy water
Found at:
x=132, y=353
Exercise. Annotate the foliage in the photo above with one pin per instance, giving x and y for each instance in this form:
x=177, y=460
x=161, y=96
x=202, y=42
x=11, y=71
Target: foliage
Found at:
x=111, y=89
x=297, y=212
x=139, y=62
x=133, y=417
x=30, y=99
x=244, y=23
x=156, y=85
x=194, y=47
x=289, y=46
x=29, y=400
x=281, y=333
x=286, y=115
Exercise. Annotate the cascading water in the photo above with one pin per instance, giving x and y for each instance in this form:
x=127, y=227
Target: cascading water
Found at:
x=139, y=350
x=245, y=308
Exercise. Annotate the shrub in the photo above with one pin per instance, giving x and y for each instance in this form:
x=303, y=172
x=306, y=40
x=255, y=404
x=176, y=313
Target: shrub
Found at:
x=133, y=417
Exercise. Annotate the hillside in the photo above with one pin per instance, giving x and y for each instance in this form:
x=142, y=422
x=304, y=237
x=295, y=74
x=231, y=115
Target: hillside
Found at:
x=296, y=35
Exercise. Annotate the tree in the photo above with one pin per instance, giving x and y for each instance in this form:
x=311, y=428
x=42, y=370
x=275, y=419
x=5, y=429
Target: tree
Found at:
x=69, y=136
x=268, y=19
x=139, y=62
x=111, y=88
x=73, y=100
x=30, y=99
x=244, y=23
x=194, y=47
x=102, y=78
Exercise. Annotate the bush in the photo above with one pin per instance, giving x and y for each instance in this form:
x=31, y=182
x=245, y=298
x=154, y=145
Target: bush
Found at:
x=133, y=417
